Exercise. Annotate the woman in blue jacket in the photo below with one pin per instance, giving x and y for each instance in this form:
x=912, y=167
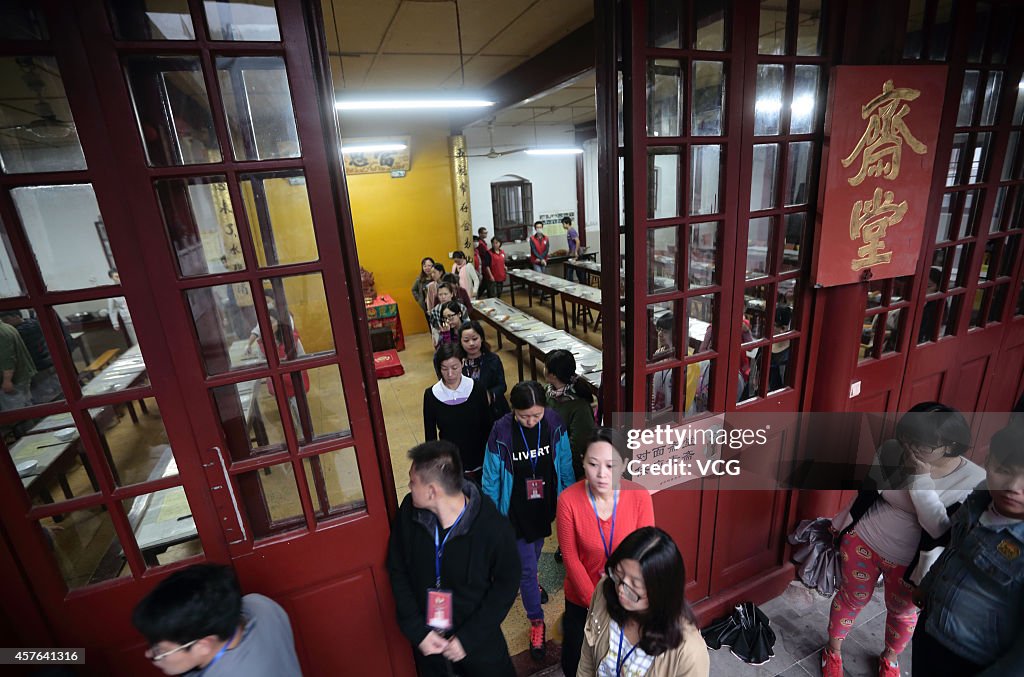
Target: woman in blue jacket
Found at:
x=527, y=464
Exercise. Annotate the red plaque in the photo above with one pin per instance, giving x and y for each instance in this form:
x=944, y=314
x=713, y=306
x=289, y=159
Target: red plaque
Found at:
x=881, y=129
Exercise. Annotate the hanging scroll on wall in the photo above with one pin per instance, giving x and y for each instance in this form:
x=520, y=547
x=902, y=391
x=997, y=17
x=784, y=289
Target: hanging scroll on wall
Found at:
x=881, y=131
x=460, y=194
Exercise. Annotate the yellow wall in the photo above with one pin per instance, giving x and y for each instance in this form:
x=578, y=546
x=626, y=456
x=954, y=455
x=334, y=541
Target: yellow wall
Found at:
x=399, y=221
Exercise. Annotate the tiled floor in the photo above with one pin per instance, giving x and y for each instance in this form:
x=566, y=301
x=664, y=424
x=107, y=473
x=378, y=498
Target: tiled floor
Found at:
x=799, y=616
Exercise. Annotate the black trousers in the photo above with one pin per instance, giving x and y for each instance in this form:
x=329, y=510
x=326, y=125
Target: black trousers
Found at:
x=573, y=622
x=933, y=659
x=490, y=661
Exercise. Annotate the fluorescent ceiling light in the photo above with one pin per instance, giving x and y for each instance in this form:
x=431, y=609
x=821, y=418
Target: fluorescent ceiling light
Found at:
x=412, y=104
x=553, y=151
x=373, y=148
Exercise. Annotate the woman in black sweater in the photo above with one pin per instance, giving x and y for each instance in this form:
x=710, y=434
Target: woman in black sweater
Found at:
x=483, y=366
x=455, y=409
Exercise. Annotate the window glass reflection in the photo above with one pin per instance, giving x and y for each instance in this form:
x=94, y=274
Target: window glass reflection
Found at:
x=792, y=245
x=703, y=254
x=316, y=403
x=798, y=173
x=298, y=303
x=664, y=97
x=22, y=20
x=809, y=35
x=708, y=98
x=251, y=20
x=37, y=132
x=100, y=337
x=258, y=106
x=663, y=257
x=768, y=99
x=764, y=170
x=277, y=208
x=162, y=522
x=33, y=379
x=665, y=24
x=710, y=20
x=134, y=441
x=250, y=418
x=271, y=499
x=759, y=243
x=225, y=324
x=705, y=180
x=663, y=179
x=67, y=235
x=771, y=35
x=152, y=20
x=803, y=110
x=50, y=458
x=334, y=482
x=85, y=546
x=10, y=276
x=201, y=224
x=172, y=109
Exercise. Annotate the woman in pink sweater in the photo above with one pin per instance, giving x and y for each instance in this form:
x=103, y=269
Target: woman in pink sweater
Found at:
x=594, y=516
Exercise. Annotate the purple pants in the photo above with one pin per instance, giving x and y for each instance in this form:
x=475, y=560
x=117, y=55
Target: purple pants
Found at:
x=529, y=588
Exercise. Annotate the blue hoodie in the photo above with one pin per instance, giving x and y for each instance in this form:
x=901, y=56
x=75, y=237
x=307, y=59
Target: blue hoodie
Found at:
x=498, y=473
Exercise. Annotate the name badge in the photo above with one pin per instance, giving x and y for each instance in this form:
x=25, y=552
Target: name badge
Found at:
x=534, y=489
x=439, y=609
x=1008, y=549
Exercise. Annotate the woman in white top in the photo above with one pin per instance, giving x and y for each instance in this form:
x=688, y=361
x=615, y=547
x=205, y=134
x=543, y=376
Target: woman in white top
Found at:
x=915, y=478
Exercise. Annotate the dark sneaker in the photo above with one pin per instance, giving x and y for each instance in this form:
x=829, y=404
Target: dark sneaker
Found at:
x=543, y=595
x=537, y=644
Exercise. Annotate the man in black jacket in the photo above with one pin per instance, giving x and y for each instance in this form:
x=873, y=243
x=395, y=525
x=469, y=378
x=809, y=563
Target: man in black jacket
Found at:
x=451, y=549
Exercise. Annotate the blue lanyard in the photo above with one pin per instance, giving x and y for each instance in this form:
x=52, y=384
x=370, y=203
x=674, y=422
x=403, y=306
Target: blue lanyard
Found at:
x=619, y=664
x=533, y=459
x=439, y=547
x=220, y=653
x=610, y=543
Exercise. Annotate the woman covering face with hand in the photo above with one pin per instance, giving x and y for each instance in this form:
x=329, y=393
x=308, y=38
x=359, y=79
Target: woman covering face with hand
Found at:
x=915, y=478
x=639, y=622
x=594, y=516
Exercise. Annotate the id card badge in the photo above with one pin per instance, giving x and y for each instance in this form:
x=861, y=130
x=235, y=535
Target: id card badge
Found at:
x=439, y=609
x=534, y=489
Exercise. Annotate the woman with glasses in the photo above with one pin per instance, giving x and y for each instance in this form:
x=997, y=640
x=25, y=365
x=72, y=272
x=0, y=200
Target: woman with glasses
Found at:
x=594, y=516
x=639, y=622
x=451, y=319
x=527, y=464
x=455, y=409
x=914, y=479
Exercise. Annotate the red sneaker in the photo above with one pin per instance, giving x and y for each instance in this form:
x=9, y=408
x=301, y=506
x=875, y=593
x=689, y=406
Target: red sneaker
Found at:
x=537, y=641
x=831, y=663
x=887, y=669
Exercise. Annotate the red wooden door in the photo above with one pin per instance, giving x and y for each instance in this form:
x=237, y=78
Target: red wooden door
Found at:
x=969, y=275
x=203, y=139
x=720, y=136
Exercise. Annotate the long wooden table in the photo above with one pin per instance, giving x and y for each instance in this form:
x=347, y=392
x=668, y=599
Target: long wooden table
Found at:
x=522, y=329
x=572, y=292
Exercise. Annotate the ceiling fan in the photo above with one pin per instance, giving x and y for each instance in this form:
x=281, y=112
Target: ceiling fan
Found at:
x=494, y=154
x=46, y=124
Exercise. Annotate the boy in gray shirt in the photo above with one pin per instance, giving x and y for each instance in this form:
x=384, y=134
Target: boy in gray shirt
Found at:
x=197, y=622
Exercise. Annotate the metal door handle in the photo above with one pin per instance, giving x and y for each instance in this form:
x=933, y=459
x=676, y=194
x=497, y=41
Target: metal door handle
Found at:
x=231, y=490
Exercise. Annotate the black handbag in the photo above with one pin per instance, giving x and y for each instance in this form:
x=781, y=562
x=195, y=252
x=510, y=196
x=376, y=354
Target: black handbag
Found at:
x=817, y=554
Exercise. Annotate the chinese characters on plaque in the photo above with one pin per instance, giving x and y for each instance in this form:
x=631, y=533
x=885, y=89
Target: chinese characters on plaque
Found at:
x=881, y=129
x=460, y=194
x=376, y=161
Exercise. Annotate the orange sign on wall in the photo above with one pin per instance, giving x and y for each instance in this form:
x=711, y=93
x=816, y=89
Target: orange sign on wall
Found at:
x=881, y=129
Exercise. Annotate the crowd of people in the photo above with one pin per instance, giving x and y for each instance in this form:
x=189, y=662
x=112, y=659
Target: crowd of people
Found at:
x=945, y=536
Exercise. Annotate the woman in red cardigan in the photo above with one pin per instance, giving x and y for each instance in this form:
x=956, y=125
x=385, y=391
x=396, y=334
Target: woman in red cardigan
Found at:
x=594, y=516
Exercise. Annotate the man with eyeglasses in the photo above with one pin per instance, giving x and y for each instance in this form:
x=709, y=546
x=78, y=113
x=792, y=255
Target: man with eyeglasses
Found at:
x=198, y=623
